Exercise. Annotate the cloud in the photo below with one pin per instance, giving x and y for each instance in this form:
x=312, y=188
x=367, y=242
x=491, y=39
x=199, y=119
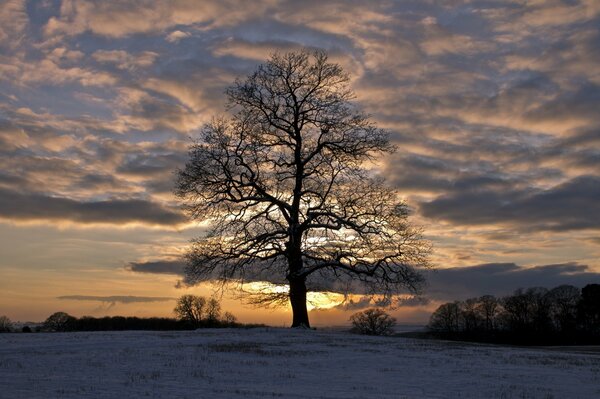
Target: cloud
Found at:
x=52, y=71
x=19, y=206
x=572, y=205
x=176, y=36
x=441, y=41
x=147, y=112
x=113, y=300
x=123, y=18
x=159, y=267
x=13, y=23
x=448, y=284
x=365, y=302
x=492, y=105
x=123, y=60
x=150, y=164
x=258, y=51
x=503, y=278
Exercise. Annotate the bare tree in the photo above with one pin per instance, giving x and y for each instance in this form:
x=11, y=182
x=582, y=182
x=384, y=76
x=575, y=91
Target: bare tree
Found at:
x=285, y=185
x=191, y=308
x=5, y=324
x=373, y=322
x=213, y=310
x=229, y=318
x=470, y=315
x=446, y=318
x=563, y=307
x=488, y=309
x=589, y=308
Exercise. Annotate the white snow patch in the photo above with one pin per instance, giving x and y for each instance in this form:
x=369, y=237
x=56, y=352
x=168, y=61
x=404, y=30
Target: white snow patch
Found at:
x=268, y=362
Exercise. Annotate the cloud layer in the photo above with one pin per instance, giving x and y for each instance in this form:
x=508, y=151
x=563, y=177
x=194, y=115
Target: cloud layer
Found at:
x=115, y=298
x=503, y=278
x=493, y=106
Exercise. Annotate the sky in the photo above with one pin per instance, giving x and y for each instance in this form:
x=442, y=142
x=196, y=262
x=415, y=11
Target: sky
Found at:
x=493, y=106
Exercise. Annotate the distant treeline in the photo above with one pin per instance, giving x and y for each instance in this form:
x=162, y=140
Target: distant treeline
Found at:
x=63, y=322
x=533, y=316
x=192, y=312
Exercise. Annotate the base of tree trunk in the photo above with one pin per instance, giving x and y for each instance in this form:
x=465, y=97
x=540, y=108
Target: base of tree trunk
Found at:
x=298, y=302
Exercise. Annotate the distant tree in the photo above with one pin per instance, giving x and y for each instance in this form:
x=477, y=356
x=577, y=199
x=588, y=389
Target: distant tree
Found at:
x=541, y=307
x=60, y=322
x=26, y=329
x=528, y=310
x=469, y=315
x=538, y=316
x=213, y=310
x=229, y=318
x=446, y=318
x=373, y=322
x=488, y=309
x=285, y=186
x=563, y=307
x=5, y=324
x=191, y=308
x=589, y=308
x=516, y=311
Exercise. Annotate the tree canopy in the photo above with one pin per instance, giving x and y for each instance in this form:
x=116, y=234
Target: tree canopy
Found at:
x=288, y=184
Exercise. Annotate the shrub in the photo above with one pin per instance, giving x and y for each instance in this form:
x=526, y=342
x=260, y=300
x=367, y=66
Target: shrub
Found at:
x=60, y=321
x=373, y=322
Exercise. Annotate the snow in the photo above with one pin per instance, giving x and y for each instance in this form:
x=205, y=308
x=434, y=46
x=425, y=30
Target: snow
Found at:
x=270, y=362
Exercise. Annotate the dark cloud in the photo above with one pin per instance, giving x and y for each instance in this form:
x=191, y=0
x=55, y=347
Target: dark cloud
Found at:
x=504, y=278
x=126, y=299
x=587, y=136
x=160, y=267
x=410, y=171
x=429, y=173
x=151, y=164
x=98, y=182
x=32, y=206
x=572, y=205
x=582, y=103
x=158, y=113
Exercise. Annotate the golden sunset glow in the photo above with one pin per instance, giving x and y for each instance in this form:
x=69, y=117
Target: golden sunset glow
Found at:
x=315, y=300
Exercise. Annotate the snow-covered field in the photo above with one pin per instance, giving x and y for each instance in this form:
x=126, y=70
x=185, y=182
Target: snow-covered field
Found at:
x=259, y=363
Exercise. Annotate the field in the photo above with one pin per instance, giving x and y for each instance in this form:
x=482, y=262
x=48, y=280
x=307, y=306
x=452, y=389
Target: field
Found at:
x=258, y=363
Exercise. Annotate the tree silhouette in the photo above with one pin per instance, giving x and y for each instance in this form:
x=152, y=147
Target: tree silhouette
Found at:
x=286, y=187
x=488, y=309
x=373, y=322
x=589, y=308
x=229, y=318
x=563, y=307
x=59, y=321
x=190, y=308
x=5, y=324
x=538, y=316
x=446, y=318
x=213, y=310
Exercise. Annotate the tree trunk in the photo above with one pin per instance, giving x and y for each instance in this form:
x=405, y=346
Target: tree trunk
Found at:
x=298, y=302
